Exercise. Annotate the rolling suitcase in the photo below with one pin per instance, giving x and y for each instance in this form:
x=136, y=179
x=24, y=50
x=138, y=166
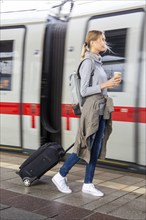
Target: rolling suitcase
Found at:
x=41, y=161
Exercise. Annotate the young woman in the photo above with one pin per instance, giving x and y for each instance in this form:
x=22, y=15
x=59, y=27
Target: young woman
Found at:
x=95, y=121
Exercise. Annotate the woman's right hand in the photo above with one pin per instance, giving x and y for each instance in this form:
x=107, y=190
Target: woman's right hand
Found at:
x=111, y=83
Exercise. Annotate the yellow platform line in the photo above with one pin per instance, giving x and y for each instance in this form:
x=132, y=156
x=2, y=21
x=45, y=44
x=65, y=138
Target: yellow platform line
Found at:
x=113, y=162
x=11, y=148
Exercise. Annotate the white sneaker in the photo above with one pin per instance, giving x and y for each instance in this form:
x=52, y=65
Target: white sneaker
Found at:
x=60, y=183
x=89, y=188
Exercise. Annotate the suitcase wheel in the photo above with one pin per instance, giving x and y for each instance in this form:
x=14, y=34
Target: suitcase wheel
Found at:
x=26, y=181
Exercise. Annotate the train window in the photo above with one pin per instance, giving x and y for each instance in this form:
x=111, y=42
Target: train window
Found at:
x=114, y=59
x=6, y=62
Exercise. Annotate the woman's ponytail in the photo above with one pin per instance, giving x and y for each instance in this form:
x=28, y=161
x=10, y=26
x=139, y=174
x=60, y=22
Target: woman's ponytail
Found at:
x=84, y=50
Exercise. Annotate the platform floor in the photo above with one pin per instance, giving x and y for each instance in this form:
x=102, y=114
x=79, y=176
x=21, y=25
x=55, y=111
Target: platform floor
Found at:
x=125, y=195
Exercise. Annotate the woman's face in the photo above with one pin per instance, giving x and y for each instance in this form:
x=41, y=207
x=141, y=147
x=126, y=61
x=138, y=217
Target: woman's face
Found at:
x=100, y=44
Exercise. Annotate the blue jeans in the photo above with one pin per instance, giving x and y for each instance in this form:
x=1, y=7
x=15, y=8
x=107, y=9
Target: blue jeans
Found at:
x=95, y=150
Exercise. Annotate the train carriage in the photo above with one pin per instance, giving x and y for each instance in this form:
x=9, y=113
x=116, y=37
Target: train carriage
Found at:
x=40, y=48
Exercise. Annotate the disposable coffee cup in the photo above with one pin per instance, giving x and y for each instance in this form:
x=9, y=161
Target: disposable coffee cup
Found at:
x=117, y=74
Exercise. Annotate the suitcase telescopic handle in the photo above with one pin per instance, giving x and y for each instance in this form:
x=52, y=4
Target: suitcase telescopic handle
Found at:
x=69, y=148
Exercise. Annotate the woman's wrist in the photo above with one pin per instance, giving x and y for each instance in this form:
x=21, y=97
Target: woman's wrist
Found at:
x=102, y=86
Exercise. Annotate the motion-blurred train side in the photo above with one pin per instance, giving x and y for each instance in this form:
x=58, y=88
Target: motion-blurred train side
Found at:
x=40, y=49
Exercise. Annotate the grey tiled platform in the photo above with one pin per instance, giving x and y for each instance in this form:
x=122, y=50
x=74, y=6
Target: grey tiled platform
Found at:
x=124, y=195
x=18, y=214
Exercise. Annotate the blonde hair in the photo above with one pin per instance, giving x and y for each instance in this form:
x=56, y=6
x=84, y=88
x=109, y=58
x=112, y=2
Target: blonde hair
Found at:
x=91, y=36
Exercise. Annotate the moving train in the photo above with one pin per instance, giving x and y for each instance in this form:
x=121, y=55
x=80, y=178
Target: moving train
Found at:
x=40, y=47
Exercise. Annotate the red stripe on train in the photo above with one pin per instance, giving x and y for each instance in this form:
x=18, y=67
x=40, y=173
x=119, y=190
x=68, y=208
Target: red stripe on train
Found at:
x=121, y=113
x=30, y=109
x=9, y=108
x=13, y=108
x=129, y=114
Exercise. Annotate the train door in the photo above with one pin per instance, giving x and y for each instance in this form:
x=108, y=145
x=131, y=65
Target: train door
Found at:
x=11, y=73
x=123, y=33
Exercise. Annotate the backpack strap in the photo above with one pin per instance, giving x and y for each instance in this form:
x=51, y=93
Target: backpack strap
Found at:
x=90, y=81
x=92, y=73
